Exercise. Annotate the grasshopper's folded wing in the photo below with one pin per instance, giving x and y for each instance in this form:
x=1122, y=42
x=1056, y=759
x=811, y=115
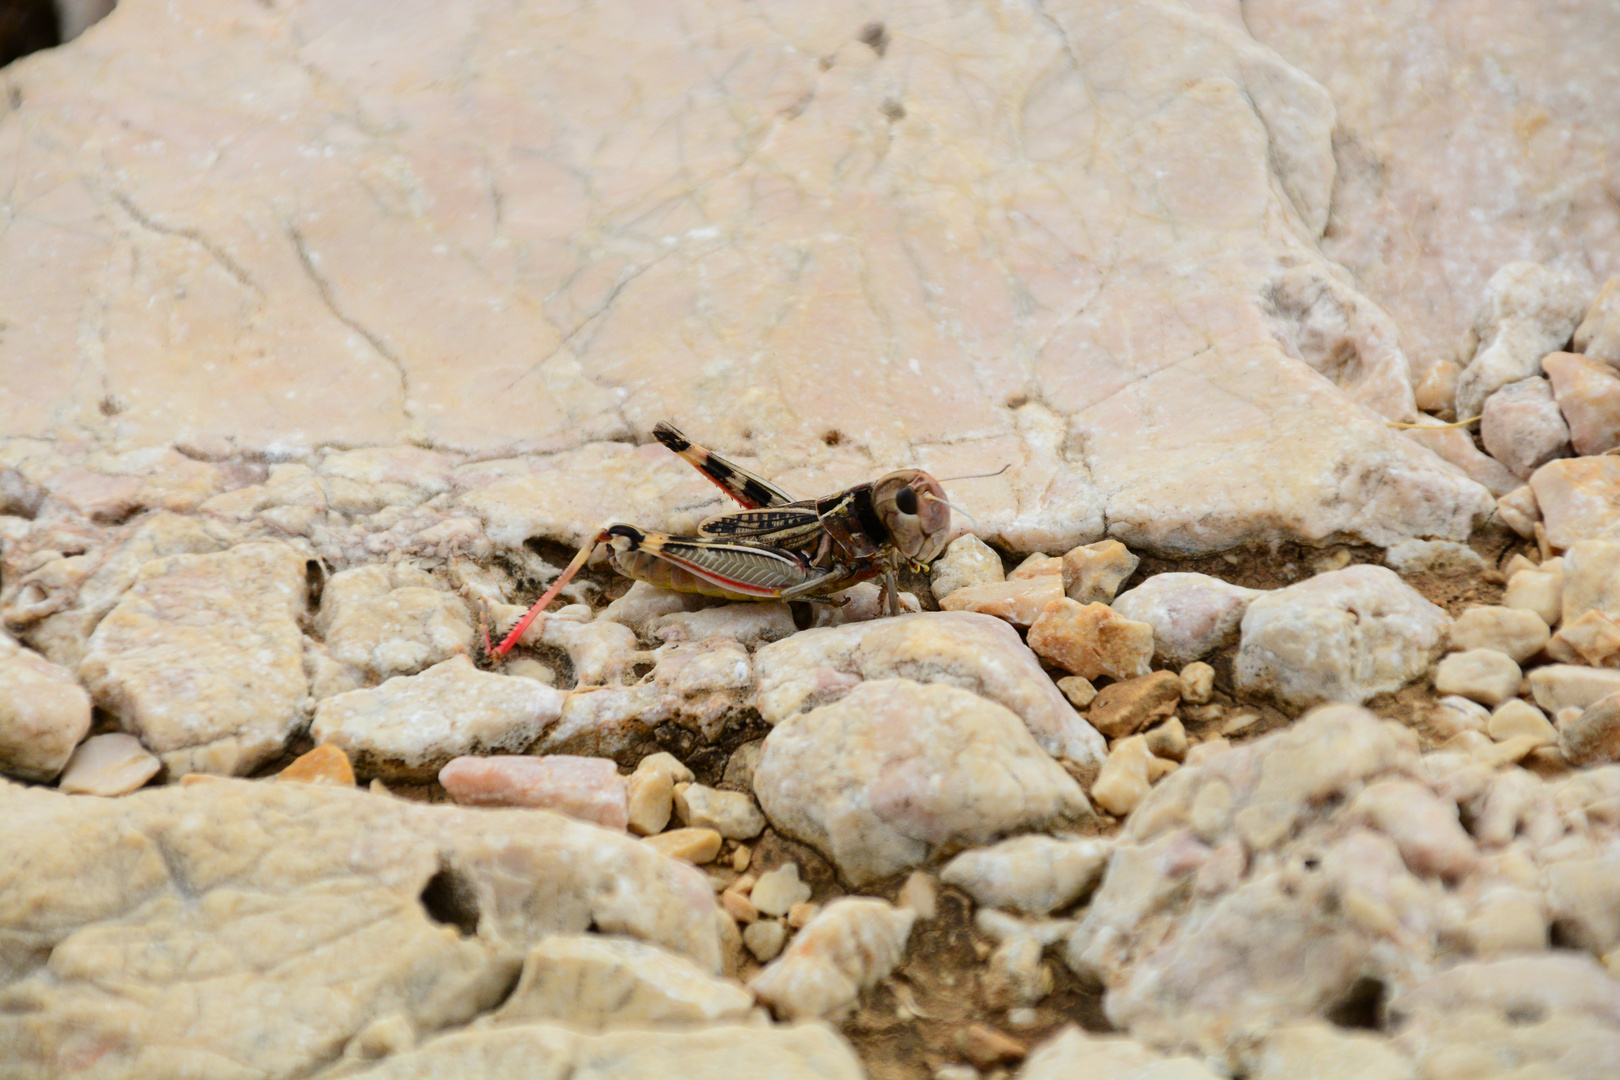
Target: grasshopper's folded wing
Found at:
x=796, y=527
x=734, y=480
x=741, y=568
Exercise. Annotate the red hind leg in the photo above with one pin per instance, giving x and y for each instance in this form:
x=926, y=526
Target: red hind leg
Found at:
x=548, y=596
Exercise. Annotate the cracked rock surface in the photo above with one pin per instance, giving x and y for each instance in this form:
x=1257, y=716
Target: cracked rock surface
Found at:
x=372, y=225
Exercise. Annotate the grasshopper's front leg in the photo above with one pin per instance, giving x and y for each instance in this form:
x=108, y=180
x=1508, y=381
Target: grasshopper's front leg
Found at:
x=891, y=590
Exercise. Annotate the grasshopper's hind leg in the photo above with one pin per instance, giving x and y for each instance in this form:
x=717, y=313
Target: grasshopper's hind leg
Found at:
x=511, y=639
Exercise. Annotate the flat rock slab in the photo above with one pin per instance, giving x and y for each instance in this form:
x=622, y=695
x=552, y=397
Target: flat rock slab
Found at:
x=177, y=912
x=203, y=657
x=413, y=725
x=596, y=981
x=1081, y=238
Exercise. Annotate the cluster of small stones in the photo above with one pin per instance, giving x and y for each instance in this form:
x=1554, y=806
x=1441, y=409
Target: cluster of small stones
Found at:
x=172, y=596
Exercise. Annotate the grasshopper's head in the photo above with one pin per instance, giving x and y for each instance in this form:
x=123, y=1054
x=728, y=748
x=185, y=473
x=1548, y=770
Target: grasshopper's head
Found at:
x=913, y=508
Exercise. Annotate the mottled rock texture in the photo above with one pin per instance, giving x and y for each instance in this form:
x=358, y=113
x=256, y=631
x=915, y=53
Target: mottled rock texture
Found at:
x=495, y=228
x=1516, y=128
x=552, y=1052
x=894, y=770
x=178, y=912
x=963, y=649
x=203, y=657
x=1341, y=636
x=1312, y=871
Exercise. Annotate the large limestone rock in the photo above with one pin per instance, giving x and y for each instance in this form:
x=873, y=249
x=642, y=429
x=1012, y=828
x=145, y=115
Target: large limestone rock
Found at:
x=203, y=657
x=1073, y=1052
x=150, y=944
x=1223, y=852
x=413, y=725
x=975, y=652
x=1192, y=615
x=1340, y=636
x=895, y=770
x=390, y=621
x=1556, y=1013
x=1325, y=869
x=596, y=981
x=978, y=224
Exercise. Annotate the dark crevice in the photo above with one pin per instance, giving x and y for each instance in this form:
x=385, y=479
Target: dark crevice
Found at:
x=1362, y=1006
x=1561, y=935
x=116, y=515
x=876, y=36
x=311, y=264
x=19, y=496
x=27, y=26
x=449, y=898
x=1525, y=1013
x=314, y=582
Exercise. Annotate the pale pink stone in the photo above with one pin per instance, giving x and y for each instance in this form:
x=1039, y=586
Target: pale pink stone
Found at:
x=586, y=788
x=1598, y=336
x=1588, y=394
x=1019, y=601
x=1579, y=499
x=1522, y=427
x=97, y=496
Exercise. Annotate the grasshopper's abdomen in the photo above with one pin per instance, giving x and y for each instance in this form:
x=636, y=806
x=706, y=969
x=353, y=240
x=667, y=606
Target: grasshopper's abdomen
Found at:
x=644, y=566
x=734, y=571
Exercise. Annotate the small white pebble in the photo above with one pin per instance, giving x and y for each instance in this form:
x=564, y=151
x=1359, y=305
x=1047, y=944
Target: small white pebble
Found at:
x=778, y=890
x=919, y=894
x=1484, y=675
x=764, y=939
x=1197, y=683
x=1123, y=782
x=1240, y=721
x=1023, y=1017
x=1515, y=717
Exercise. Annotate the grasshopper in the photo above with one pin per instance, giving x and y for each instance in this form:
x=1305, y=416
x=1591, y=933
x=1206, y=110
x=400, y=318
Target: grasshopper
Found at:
x=776, y=547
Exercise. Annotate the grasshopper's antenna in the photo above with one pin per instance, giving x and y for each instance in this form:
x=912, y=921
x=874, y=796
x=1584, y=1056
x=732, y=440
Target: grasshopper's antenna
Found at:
x=935, y=498
x=974, y=476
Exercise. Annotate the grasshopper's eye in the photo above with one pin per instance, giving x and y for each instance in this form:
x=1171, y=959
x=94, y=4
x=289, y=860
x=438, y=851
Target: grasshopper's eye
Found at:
x=905, y=500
